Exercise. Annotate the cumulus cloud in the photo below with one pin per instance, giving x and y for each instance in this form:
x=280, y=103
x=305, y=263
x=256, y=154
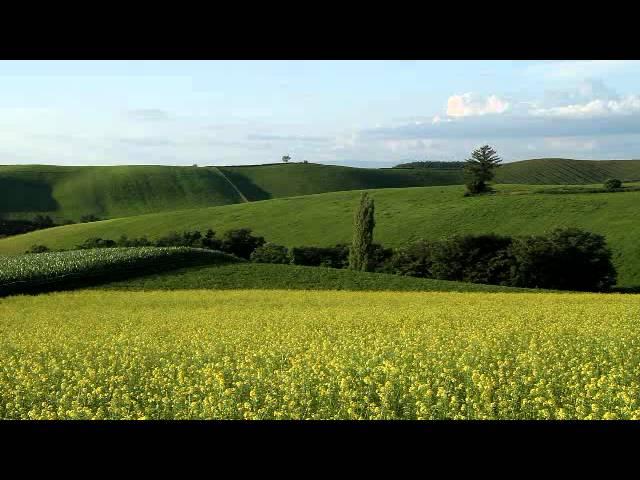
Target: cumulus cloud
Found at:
x=469, y=104
x=594, y=108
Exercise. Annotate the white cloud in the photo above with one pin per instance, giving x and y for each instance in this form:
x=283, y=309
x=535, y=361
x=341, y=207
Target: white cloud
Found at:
x=468, y=104
x=595, y=108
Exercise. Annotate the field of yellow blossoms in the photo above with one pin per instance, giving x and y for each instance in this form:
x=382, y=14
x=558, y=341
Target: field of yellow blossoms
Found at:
x=319, y=355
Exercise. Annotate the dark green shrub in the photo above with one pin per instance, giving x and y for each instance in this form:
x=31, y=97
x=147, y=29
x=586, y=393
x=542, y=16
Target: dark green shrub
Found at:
x=413, y=260
x=124, y=241
x=175, y=239
x=380, y=258
x=96, y=242
x=472, y=258
x=41, y=222
x=210, y=241
x=334, y=257
x=612, y=184
x=240, y=242
x=38, y=249
x=566, y=259
x=271, y=253
x=89, y=218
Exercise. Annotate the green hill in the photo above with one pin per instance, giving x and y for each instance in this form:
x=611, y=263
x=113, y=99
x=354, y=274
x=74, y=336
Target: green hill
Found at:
x=68, y=193
x=262, y=182
x=401, y=215
x=560, y=171
x=71, y=192
x=291, y=277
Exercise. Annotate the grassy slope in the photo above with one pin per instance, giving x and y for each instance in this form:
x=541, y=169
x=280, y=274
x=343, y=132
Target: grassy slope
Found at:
x=557, y=171
x=290, y=180
x=291, y=277
x=70, y=192
x=401, y=215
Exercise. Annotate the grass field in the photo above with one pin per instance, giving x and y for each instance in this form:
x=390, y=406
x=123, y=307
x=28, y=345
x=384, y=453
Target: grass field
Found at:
x=319, y=355
x=241, y=276
x=402, y=215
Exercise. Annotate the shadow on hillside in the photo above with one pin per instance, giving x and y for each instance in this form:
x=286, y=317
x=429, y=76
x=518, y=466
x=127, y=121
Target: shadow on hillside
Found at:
x=250, y=190
x=18, y=195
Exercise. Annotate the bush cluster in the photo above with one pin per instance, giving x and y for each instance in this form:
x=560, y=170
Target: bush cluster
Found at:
x=565, y=259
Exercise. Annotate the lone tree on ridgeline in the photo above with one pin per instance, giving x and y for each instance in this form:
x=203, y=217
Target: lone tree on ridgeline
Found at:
x=286, y=158
x=361, y=245
x=480, y=169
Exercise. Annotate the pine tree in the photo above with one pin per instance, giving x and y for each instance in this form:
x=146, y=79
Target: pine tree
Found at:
x=480, y=168
x=363, y=223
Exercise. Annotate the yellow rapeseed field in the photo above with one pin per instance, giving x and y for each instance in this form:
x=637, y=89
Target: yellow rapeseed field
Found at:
x=319, y=355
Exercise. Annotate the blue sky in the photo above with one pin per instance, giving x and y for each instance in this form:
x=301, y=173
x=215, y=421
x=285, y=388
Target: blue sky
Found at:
x=364, y=113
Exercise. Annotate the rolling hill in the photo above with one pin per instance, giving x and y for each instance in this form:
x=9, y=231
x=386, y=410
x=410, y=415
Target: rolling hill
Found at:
x=560, y=171
x=262, y=182
x=118, y=191
x=402, y=215
x=68, y=193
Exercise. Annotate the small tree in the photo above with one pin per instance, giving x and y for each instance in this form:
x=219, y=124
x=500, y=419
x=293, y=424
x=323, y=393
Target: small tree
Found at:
x=612, y=184
x=286, y=158
x=363, y=224
x=240, y=242
x=480, y=169
x=271, y=253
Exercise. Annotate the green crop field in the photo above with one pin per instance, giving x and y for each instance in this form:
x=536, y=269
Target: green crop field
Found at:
x=402, y=215
x=41, y=271
x=250, y=354
x=239, y=276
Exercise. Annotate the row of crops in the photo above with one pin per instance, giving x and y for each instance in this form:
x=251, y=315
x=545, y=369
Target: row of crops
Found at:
x=51, y=270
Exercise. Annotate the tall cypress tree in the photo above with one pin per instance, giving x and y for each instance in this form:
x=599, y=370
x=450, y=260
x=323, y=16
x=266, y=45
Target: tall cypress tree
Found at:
x=363, y=223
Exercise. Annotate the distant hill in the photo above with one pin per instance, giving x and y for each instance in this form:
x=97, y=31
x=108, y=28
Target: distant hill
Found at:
x=68, y=193
x=550, y=171
x=561, y=171
x=262, y=182
x=430, y=164
x=402, y=215
x=117, y=191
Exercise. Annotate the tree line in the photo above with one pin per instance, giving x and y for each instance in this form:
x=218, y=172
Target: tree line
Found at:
x=9, y=227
